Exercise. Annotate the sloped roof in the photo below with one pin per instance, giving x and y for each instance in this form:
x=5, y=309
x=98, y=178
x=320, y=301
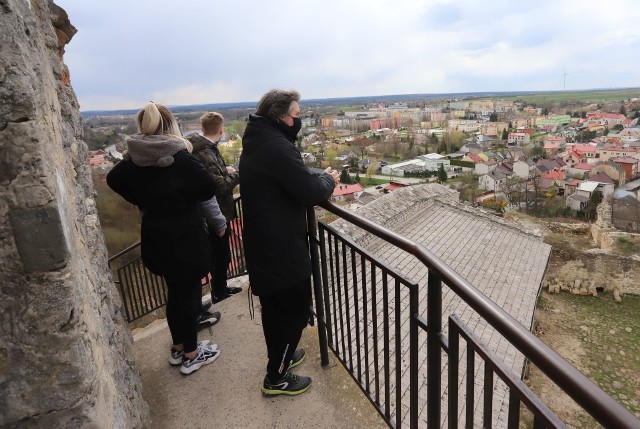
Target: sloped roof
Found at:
x=554, y=175
x=347, y=189
x=588, y=186
x=584, y=166
x=503, y=261
x=602, y=178
x=625, y=160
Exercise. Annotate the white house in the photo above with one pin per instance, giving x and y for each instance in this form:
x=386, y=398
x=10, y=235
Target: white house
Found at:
x=492, y=181
x=433, y=161
x=399, y=168
x=524, y=169
x=485, y=167
x=518, y=138
x=308, y=158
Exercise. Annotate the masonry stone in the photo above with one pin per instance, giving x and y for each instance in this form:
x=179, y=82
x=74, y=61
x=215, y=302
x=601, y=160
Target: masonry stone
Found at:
x=66, y=353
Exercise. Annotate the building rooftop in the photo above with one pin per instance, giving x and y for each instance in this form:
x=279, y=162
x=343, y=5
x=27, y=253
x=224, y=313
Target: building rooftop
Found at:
x=504, y=261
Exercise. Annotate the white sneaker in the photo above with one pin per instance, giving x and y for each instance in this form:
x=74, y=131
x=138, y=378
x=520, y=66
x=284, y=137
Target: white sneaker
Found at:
x=175, y=358
x=203, y=357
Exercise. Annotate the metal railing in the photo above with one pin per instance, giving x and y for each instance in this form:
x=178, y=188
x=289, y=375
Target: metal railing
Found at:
x=368, y=316
x=143, y=292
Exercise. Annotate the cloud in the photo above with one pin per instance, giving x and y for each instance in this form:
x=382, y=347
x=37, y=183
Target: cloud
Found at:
x=207, y=52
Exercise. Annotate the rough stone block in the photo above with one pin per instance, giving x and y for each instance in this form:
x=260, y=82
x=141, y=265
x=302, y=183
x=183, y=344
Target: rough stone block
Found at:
x=39, y=236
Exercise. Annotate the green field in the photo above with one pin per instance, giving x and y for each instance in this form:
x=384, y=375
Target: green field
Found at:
x=595, y=96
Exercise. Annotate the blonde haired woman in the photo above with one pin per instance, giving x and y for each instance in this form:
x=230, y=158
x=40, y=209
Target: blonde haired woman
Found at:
x=161, y=177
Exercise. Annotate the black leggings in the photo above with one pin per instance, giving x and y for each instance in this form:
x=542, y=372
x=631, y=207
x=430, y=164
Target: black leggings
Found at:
x=221, y=257
x=284, y=316
x=183, y=303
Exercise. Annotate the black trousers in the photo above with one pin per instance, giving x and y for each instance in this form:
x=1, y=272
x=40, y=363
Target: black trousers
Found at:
x=284, y=316
x=183, y=304
x=221, y=257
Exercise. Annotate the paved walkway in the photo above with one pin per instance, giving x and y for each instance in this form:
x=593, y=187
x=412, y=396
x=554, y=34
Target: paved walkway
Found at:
x=226, y=394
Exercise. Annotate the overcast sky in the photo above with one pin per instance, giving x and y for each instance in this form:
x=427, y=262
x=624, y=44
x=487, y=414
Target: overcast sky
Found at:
x=206, y=51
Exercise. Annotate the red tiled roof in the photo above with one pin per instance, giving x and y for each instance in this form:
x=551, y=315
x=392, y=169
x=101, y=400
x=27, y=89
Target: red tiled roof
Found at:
x=347, y=189
x=475, y=158
x=554, y=175
x=584, y=148
x=584, y=166
x=393, y=186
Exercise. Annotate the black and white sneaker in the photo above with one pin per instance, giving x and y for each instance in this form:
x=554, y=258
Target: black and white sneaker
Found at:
x=225, y=293
x=204, y=356
x=175, y=358
x=289, y=384
x=207, y=319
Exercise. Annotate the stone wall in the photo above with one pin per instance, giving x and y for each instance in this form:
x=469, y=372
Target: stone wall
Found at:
x=66, y=357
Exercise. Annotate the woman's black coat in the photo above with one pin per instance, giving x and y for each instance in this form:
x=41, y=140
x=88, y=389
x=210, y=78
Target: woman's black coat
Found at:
x=173, y=239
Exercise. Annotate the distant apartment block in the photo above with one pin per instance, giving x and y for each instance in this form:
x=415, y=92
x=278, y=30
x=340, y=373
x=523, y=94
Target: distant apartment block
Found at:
x=458, y=105
x=481, y=106
x=493, y=128
x=465, y=125
x=503, y=106
x=328, y=121
x=438, y=117
x=556, y=120
x=519, y=138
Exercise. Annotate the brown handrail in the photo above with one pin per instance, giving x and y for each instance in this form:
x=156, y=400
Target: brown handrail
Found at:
x=585, y=392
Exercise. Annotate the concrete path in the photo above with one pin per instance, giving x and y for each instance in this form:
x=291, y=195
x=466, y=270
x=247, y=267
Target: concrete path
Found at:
x=226, y=393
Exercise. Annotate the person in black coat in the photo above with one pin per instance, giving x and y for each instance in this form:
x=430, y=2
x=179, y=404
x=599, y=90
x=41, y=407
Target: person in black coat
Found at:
x=276, y=189
x=161, y=177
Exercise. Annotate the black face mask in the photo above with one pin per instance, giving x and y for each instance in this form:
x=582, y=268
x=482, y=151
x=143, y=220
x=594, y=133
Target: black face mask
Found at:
x=291, y=130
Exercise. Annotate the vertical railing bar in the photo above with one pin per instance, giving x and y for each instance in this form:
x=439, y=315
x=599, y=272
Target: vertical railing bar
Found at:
x=147, y=291
x=325, y=283
x=387, y=357
x=538, y=422
x=365, y=321
x=317, y=287
x=130, y=290
x=122, y=294
x=514, y=410
x=231, y=271
x=138, y=281
x=452, y=382
x=333, y=274
x=340, y=292
x=398, y=353
x=488, y=396
x=469, y=401
x=153, y=295
x=356, y=315
x=374, y=320
x=413, y=355
x=157, y=292
x=346, y=304
x=434, y=357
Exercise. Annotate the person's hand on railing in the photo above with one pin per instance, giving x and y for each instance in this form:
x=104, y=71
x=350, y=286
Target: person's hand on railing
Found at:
x=334, y=174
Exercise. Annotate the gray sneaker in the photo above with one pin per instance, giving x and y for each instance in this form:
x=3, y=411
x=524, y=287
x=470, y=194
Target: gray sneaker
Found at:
x=289, y=384
x=204, y=356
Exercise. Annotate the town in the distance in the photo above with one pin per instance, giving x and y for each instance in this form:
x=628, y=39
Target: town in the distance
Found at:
x=551, y=155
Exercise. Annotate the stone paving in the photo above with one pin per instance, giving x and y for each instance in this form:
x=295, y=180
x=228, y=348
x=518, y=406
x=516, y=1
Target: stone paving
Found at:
x=504, y=261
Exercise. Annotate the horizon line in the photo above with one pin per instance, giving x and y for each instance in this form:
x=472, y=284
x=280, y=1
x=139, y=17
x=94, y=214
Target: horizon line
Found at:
x=433, y=95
